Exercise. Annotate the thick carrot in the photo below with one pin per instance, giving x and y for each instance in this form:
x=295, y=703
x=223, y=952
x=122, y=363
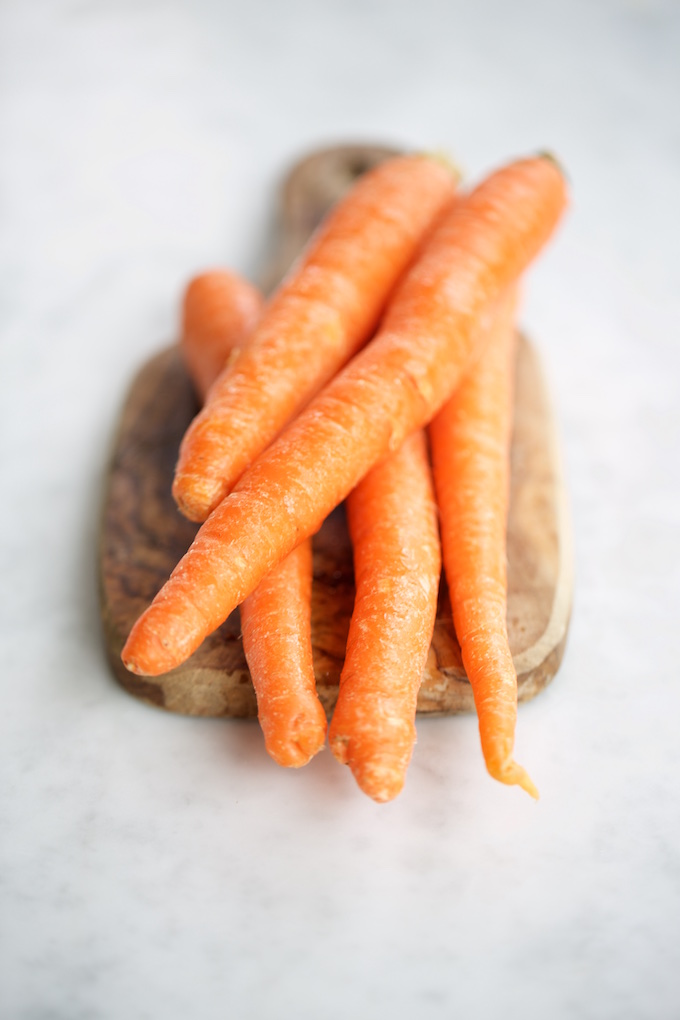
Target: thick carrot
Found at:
x=470, y=451
x=394, y=386
x=219, y=312
x=392, y=519
x=324, y=311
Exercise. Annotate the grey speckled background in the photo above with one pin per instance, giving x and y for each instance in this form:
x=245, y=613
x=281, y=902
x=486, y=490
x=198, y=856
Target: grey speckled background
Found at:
x=156, y=866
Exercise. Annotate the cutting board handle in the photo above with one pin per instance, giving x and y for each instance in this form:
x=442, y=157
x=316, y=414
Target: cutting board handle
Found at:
x=314, y=184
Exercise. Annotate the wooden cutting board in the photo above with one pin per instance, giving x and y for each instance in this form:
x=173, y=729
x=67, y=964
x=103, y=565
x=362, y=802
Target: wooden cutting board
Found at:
x=143, y=535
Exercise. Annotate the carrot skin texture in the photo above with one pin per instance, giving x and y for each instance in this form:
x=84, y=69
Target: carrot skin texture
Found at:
x=322, y=313
x=391, y=388
x=278, y=646
x=470, y=440
x=220, y=311
x=392, y=519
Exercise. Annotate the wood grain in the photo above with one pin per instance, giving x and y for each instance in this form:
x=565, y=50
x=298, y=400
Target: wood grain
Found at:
x=143, y=535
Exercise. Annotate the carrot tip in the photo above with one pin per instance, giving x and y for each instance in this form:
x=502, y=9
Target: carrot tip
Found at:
x=512, y=774
x=145, y=654
x=197, y=496
x=293, y=754
x=552, y=158
x=381, y=777
x=382, y=780
x=304, y=737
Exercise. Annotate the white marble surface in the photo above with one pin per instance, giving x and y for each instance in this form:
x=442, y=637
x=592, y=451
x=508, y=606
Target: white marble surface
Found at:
x=154, y=866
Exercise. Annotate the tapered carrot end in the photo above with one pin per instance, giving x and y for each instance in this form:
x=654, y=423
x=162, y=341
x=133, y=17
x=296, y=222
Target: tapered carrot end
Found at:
x=380, y=774
x=147, y=657
x=197, y=496
x=382, y=780
x=293, y=743
x=147, y=662
x=512, y=774
x=144, y=653
x=164, y=636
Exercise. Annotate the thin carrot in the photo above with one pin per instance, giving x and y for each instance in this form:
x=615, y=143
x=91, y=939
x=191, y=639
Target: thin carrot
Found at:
x=322, y=314
x=392, y=519
x=219, y=313
x=470, y=452
x=394, y=386
x=277, y=642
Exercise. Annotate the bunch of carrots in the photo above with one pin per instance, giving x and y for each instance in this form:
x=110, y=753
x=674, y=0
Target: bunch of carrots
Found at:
x=380, y=372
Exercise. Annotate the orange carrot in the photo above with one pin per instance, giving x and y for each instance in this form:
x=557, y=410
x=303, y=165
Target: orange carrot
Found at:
x=324, y=311
x=470, y=451
x=393, y=525
x=220, y=311
x=277, y=642
x=394, y=386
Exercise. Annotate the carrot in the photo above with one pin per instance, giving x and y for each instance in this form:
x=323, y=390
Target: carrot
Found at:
x=470, y=452
x=393, y=525
x=394, y=386
x=277, y=642
x=219, y=312
x=324, y=311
